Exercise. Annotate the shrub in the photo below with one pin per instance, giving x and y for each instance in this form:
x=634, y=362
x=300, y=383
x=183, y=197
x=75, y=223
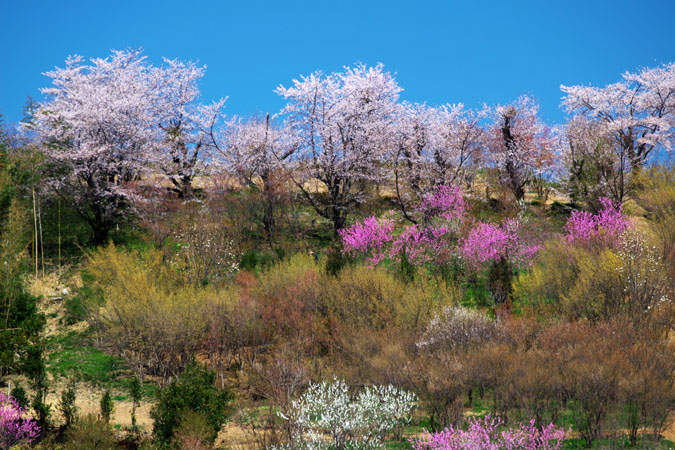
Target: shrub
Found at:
x=597, y=230
x=328, y=415
x=90, y=432
x=149, y=316
x=656, y=194
x=458, y=327
x=15, y=427
x=67, y=403
x=192, y=390
x=486, y=434
x=194, y=431
x=75, y=310
x=107, y=406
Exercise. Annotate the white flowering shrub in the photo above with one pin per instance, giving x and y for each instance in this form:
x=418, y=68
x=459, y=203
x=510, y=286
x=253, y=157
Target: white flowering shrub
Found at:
x=330, y=416
x=458, y=328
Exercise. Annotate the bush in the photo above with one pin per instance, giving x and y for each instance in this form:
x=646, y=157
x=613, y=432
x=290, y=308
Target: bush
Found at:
x=90, y=432
x=75, y=310
x=486, y=433
x=149, y=316
x=329, y=416
x=192, y=390
x=107, y=406
x=67, y=403
x=15, y=426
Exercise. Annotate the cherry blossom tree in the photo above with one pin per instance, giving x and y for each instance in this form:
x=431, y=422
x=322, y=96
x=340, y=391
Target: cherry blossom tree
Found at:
x=434, y=147
x=592, y=168
x=254, y=150
x=520, y=145
x=186, y=126
x=98, y=126
x=636, y=113
x=344, y=121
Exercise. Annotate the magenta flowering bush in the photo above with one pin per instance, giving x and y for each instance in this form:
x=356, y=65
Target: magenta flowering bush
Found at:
x=370, y=238
x=604, y=228
x=441, y=213
x=15, y=426
x=486, y=434
x=490, y=243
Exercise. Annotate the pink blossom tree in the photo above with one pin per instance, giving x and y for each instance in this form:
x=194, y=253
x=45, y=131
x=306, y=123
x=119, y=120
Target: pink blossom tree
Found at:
x=344, y=121
x=432, y=237
x=592, y=168
x=104, y=122
x=520, y=146
x=98, y=127
x=490, y=243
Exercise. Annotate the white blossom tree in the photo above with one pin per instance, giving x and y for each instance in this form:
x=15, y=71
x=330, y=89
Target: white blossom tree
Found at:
x=433, y=146
x=332, y=416
x=254, y=150
x=107, y=120
x=592, y=168
x=344, y=121
x=186, y=126
x=637, y=113
x=519, y=145
x=98, y=127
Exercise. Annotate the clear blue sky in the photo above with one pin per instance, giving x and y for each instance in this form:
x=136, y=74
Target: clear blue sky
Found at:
x=441, y=51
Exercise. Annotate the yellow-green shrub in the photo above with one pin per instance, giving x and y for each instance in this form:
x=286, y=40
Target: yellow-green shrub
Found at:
x=154, y=322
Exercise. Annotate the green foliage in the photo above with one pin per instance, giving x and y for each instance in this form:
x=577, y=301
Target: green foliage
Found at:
x=41, y=410
x=107, y=406
x=74, y=310
x=192, y=390
x=19, y=394
x=67, y=403
x=136, y=394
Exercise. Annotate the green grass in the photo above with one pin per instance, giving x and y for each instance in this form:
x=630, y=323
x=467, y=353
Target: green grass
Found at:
x=73, y=354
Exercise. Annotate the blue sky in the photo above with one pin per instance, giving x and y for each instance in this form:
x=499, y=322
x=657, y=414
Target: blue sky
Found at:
x=470, y=52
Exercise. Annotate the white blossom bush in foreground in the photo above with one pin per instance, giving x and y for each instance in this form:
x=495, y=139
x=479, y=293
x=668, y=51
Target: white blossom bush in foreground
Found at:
x=330, y=415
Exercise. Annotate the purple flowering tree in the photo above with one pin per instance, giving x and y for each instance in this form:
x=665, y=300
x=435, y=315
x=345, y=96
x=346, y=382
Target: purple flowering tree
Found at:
x=487, y=434
x=15, y=427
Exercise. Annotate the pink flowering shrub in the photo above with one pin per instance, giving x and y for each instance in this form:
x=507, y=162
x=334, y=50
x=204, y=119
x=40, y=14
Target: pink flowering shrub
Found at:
x=369, y=238
x=442, y=213
x=15, y=427
x=490, y=243
x=485, y=434
x=604, y=228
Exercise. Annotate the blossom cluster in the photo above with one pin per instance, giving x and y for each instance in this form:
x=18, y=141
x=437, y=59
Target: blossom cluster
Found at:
x=15, y=426
x=604, y=228
x=369, y=237
x=485, y=434
x=436, y=236
x=442, y=212
x=488, y=242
